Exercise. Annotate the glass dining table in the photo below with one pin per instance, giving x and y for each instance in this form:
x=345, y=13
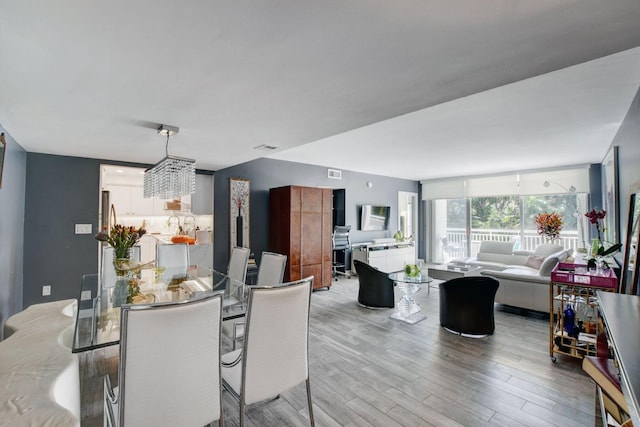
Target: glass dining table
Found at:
x=98, y=319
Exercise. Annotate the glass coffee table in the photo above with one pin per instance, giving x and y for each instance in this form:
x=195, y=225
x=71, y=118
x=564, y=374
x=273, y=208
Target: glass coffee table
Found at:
x=407, y=309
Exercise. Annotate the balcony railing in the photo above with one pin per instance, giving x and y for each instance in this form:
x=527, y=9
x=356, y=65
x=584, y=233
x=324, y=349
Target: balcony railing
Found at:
x=457, y=240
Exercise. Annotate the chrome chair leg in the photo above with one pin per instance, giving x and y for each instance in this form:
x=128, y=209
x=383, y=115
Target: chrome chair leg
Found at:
x=313, y=422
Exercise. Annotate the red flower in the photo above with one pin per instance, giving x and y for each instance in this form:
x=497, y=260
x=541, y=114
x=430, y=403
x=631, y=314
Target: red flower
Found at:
x=595, y=215
x=549, y=224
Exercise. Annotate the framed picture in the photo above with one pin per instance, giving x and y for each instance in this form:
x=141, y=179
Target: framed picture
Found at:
x=629, y=272
x=610, y=196
x=239, y=212
x=3, y=150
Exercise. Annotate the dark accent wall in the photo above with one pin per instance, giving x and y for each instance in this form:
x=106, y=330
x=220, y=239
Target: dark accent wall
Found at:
x=628, y=141
x=61, y=192
x=268, y=173
x=12, y=195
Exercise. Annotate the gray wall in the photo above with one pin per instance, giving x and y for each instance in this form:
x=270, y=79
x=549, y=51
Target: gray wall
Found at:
x=268, y=173
x=12, y=195
x=628, y=141
x=61, y=192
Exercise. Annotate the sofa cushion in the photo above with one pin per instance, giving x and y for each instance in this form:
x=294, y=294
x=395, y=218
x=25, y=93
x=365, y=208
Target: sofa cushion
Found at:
x=523, y=274
x=522, y=252
x=494, y=257
x=487, y=264
x=503, y=248
x=534, y=261
x=550, y=262
x=545, y=249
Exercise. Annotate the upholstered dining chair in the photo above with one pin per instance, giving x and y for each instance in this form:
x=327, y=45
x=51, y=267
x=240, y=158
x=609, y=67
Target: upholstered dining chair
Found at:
x=270, y=272
x=169, y=367
x=375, y=288
x=174, y=259
x=237, y=268
x=275, y=353
x=467, y=305
x=108, y=275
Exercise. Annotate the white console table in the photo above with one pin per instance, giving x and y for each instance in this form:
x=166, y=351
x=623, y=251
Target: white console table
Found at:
x=387, y=257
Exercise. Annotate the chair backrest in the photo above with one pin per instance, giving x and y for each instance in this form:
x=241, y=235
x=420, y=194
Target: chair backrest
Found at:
x=375, y=288
x=89, y=283
x=169, y=369
x=271, y=270
x=107, y=271
x=276, y=340
x=174, y=258
x=237, y=268
x=340, y=238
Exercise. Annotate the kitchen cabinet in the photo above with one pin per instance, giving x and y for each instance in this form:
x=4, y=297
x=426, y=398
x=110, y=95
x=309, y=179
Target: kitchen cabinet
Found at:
x=300, y=226
x=202, y=199
x=147, y=248
x=129, y=200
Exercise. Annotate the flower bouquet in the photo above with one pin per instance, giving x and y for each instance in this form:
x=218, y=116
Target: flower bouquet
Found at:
x=122, y=239
x=549, y=225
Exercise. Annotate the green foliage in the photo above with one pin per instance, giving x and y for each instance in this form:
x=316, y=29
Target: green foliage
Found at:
x=495, y=212
x=504, y=212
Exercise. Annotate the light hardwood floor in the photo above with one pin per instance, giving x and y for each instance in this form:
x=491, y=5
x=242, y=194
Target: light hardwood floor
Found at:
x=369, y=370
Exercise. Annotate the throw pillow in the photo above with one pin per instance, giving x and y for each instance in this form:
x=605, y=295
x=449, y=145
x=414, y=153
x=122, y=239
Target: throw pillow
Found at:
x=534, y=261
x=550, y=262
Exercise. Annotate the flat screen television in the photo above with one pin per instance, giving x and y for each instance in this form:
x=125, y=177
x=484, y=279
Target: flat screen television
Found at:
x=374, y=217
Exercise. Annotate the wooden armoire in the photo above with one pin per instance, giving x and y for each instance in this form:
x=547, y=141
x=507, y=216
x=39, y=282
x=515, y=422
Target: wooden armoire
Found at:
x=300, y=227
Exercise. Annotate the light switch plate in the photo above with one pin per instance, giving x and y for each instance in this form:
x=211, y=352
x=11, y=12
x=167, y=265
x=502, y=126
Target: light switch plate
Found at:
x=83, y=228
x=85, y=295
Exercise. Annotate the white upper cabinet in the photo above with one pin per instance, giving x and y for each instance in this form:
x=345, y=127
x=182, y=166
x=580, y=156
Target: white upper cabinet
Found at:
x=202, y=199
x=126, y=193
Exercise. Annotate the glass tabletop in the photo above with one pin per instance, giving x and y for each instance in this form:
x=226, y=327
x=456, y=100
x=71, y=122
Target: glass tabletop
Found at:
x=400, y=276
x=98, y=320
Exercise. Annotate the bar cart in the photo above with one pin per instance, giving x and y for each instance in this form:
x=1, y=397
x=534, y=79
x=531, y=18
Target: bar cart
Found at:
x=573, y=308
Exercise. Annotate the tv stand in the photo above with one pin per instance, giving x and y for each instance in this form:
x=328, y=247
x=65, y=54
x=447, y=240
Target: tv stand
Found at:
x=385, y=256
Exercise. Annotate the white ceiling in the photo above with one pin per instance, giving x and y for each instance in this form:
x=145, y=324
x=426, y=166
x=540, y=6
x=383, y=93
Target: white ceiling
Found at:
x=407, y=88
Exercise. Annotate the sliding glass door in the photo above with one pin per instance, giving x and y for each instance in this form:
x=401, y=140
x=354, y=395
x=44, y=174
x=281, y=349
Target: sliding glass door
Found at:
x=460, y=225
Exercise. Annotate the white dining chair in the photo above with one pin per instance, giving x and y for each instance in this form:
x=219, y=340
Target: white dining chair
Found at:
x=237, y=268
x=174, y=260
x=275, y=353
x=169, y=367
x=270, y=272
x=107, y=270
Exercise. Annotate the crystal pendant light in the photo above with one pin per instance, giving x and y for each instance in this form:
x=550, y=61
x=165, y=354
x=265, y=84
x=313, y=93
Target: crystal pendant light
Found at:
x=172, y=177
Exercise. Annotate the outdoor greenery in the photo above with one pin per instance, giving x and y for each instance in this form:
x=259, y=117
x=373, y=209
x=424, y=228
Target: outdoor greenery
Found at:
x=504, y=212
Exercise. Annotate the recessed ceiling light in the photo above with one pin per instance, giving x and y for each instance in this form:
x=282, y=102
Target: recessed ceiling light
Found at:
x=119, y=171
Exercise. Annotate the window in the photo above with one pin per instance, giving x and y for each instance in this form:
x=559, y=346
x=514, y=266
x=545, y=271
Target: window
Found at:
x=460, y=225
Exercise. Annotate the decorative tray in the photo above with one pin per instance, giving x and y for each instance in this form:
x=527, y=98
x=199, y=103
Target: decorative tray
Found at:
x=579, y=274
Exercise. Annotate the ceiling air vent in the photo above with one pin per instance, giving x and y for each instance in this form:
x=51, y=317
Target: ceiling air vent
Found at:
x=334, y=174
x=265, y=147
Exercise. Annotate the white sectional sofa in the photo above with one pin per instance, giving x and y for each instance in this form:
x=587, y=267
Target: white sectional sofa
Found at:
x=524, y=276
x=39, y=376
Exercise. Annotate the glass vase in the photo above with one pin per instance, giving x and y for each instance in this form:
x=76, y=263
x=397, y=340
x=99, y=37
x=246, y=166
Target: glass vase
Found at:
x=595, y=247
x=127, y=284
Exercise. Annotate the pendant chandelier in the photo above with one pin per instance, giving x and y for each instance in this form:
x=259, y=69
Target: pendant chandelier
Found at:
x=172, y=177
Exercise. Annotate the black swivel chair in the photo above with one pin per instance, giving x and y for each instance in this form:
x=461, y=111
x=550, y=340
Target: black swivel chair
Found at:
x=466, y=305
x=376, y=289
x=340, y=242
